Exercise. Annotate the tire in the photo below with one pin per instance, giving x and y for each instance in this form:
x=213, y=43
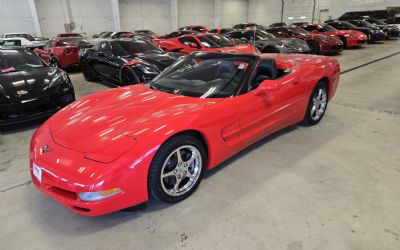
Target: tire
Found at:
x=314, y=47
x=128, y=77
x=270, y=50
x=88, y=72
x=344, y=41
x=317, y=104
x=187, y=171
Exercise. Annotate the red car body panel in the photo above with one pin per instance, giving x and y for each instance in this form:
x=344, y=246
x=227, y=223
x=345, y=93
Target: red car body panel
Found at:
x=354, y=38
x=174, y=45
x=66, y=55
x=123, y=128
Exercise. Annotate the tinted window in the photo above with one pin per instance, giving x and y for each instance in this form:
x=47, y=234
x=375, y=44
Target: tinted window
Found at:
x=15, y=60
x=71, y=42
x=48, y=45
x=188, y=40
x=70, y=35
x=130, y=48
x=214, y=41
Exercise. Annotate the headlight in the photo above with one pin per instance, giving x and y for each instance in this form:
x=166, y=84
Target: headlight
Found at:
x=147, y=69
x=101, y=195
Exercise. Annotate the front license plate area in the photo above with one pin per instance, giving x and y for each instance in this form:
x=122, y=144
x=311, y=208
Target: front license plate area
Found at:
x=37, y=172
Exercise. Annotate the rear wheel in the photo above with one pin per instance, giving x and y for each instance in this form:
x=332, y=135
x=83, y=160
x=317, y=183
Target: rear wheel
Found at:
x=344, y=41
x=87, y=71
x=314, y=47
x=317, y=104
x=177, y=169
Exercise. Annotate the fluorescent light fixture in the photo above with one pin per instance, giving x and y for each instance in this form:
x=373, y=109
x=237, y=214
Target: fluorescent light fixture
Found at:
x=303, y=17
x=290, y=18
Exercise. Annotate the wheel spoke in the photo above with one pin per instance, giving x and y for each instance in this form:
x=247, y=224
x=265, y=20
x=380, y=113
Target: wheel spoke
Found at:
x=179, y=156
x=170, y=173
x=176, y=186
x=192, y=158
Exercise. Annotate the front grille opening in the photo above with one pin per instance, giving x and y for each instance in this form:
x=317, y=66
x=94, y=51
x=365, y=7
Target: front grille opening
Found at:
x=62, y=192
x=81, y=209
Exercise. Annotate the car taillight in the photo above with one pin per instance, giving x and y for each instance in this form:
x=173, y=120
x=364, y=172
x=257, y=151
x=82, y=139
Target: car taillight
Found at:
x=67, y=51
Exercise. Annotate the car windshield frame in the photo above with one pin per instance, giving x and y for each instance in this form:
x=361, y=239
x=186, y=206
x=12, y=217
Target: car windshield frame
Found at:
x=349, y=25
x=19, y=60
x=326, y=28
x=124, y=51
x=196, y=65
x=298, y=31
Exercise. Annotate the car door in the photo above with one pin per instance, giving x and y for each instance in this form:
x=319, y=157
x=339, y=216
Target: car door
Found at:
x=264, y=112
x=102, y=64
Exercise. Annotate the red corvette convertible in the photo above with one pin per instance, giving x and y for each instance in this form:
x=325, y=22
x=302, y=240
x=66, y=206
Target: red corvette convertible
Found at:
x=350, y=38
x=62, y=52
x=202, y=42
x=113, y=149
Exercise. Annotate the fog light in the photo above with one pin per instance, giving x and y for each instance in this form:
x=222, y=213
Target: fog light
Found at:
x=96, y=196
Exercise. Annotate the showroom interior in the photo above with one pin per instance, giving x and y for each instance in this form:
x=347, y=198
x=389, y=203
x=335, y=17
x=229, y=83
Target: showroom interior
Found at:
x=113, y=111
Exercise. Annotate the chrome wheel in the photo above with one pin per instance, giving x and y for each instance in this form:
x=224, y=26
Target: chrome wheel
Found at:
x=181, y=170
x=319, y=104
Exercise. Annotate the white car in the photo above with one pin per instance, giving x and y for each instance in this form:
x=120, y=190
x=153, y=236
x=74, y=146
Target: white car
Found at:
x=22, y=39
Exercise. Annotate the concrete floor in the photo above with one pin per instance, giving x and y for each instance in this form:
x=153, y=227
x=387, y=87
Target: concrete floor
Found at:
x=332, y=186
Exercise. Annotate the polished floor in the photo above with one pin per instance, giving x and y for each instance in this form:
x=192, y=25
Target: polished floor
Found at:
x=332, y=186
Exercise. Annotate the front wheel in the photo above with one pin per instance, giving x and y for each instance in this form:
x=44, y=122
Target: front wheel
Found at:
x=87, y=71
x=317, y=104
x=128, y=77
x=314, y=47
x=177, y=169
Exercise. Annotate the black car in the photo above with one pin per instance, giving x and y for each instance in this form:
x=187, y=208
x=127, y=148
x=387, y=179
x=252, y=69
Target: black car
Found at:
x=378, y=14
x=124, y=61
x=247, y=25
x=372, y=34
x=274, y=25
x=268, y=43
x=29, y=88
x=392, y=30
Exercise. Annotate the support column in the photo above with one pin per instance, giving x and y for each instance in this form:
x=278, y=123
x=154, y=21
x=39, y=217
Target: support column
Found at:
x=115, y=13
x=174, y=14
x=35, y=18
x=217, y=13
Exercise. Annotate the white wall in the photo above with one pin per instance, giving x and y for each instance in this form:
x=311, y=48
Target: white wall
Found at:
x=90, y=16
x=264, y=12
x=154, y=15
x=15, y=16
x=233, y=12
x=196, y=12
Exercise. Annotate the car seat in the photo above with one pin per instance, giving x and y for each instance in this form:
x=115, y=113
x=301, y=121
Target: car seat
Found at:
x=266, y=71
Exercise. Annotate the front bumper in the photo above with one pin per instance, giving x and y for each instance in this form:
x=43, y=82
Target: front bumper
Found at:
x=66, y=172
x=331, y=48
x=15, y=113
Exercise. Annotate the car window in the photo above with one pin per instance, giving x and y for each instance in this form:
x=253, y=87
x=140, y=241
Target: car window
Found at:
x=105, y=48
x=48, y=45
x=18, y=60
x=188, y=40
x=13, y=42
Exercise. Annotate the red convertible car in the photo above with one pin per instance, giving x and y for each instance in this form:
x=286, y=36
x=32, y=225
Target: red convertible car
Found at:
x=202, y=42
x=318, y=43
x=350, y=38
x=62, y=52
x=113, y=149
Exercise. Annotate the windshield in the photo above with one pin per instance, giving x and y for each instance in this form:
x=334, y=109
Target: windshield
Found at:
x=202, y=75
x=377, y=21
x=72, y=42
x=365, y=23
x=214, y=41
x=26, y=36
x=105, y=34
x=299, y=31
x=130, y=48
x=326, y=28
x=16, y=60
x=349, y=25
x=261, y=35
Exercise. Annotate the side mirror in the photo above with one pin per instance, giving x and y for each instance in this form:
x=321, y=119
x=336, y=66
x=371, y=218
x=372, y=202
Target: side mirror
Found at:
x=266, y=86
x=193, y=45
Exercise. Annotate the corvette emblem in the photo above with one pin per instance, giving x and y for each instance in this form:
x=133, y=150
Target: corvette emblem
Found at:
x=22, y=92
x=45, y=149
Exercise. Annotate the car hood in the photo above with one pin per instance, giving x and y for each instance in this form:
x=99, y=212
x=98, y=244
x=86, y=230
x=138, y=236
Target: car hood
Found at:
x=28, y=84
x=162, y=61
x=105, y=120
